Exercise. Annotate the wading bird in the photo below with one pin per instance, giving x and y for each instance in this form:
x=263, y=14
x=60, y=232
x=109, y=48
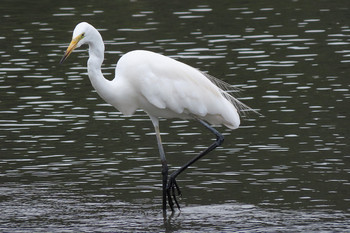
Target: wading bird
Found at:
x=163, y=88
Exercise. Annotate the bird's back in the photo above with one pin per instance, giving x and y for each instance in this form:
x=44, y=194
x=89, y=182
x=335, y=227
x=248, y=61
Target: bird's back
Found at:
x=164, y=87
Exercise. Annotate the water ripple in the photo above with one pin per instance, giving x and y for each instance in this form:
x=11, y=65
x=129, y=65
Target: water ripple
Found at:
x=64, y=151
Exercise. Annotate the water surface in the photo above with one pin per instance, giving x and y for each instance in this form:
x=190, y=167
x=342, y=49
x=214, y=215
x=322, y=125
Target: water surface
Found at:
x=70, y=162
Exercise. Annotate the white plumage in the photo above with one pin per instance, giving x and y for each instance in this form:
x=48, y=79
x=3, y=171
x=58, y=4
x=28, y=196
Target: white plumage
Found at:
x=162, y=87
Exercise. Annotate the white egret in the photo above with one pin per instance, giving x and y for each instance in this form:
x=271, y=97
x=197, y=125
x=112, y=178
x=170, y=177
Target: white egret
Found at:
x=163, y=88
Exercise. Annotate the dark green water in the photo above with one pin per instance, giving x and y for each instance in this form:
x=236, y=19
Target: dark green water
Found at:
x=69, y=162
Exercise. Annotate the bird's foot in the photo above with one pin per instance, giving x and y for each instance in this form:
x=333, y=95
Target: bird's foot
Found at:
x=173, y=191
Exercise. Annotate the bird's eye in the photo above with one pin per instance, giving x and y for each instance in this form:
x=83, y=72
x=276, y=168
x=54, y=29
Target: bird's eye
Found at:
x=83, y=35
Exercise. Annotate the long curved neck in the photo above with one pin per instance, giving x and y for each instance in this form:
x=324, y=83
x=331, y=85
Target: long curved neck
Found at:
x=96, y=56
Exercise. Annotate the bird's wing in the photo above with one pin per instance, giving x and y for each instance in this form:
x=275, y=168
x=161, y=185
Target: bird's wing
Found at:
x=169, y=84
x=177, y=89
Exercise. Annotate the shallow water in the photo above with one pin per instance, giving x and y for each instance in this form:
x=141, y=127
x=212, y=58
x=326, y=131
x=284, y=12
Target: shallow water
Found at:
x=70, y=162
x=68, y=212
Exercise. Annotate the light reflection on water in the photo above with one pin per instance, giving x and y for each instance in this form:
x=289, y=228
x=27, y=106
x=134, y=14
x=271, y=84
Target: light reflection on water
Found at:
x=50, y=202
x=62, y=146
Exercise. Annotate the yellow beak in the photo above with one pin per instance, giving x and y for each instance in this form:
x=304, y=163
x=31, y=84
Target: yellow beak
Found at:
x=73, y=44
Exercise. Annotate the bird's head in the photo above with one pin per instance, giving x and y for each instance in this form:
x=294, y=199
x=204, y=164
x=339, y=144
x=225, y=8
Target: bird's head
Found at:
x=81, y=35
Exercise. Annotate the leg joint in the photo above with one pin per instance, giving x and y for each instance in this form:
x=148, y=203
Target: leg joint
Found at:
x=219, y=139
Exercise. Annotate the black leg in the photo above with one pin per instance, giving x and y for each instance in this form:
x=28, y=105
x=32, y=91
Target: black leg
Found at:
x=172, y=186
x=165, y=181
x=164, y=163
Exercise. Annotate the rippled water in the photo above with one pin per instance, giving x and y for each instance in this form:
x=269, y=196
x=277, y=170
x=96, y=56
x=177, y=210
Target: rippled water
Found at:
x=70, y=162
